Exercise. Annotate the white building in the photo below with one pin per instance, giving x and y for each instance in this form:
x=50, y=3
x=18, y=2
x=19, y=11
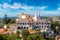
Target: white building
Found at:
x=26, y=21
x=55, y=19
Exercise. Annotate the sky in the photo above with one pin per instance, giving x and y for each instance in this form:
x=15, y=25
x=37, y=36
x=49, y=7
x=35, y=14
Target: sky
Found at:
x=14, y=7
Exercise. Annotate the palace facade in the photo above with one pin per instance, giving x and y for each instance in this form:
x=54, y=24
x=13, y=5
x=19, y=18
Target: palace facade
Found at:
x=26, y=21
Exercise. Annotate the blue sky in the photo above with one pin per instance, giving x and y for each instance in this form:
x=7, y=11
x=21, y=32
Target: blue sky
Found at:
x=14, y=7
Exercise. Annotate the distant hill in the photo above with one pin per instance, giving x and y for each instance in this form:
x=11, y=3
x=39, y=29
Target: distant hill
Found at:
x=8, y=17
x=13, y=17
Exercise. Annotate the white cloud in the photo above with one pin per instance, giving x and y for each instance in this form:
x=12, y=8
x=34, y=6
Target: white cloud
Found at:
x=59, y=8
x=25, y=7
x=51, y=12
x=6, y=5
x=15, y=6
x=19, y=5
x=43, y=7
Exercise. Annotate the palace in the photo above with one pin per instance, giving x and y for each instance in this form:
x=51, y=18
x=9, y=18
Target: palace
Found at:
x=26, y=21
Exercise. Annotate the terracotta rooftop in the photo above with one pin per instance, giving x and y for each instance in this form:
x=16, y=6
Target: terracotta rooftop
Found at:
x=32, y=31
x=1, y=30
x=5, y=31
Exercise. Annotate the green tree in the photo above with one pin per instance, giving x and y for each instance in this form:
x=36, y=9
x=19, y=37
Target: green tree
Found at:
x=9, y=37
x=14, y=37
x=25, y=34
x=12, y=21
x=38, y=37
x=17, y=32
x=6, y=20
x=1, y=37
x=29, y=37
x=54, y=24
x=35, y=37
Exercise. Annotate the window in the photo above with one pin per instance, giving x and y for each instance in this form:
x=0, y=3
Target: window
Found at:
x=27, y=27
x=48, y=27
x=42, y=26
x=17, y=23
x=24, y=27
x=21, y=27
x=39, y=23
x=30, y=25
x=37, y=27
x=23, y=23
x=50, y=32
x=27, y=23
x=42, y=23
x=18, y=27
x=48, y=23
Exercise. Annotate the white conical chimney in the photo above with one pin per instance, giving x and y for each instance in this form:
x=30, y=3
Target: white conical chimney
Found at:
x=37, y=16
x=5, y=26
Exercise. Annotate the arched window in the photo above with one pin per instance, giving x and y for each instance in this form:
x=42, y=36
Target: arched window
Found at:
x=18, y=28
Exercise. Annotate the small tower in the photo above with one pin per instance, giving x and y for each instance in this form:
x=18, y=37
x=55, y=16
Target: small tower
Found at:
x=5, y=26
x=37, y=16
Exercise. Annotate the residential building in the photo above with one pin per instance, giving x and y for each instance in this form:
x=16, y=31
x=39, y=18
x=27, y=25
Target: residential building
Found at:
x=55, y=19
